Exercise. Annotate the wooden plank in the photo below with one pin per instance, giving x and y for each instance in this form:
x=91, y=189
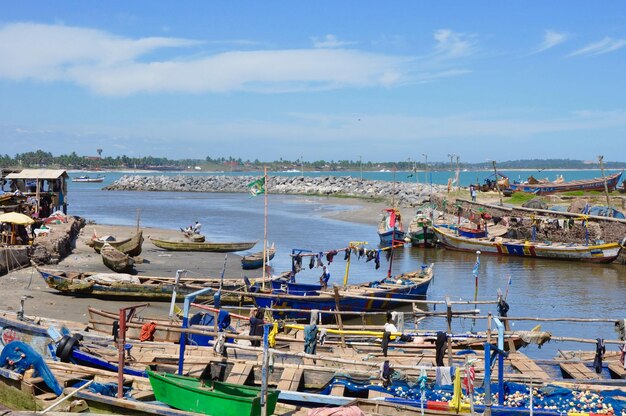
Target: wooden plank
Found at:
x=240, y=373
x=617, y=370
x=527, y=367
x=338, y=390
x=578, y=371
x=372, y=394
x=290, y=379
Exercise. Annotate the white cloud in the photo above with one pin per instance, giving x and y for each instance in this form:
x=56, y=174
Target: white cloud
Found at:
x=606, y=45
x=453, y=44
x=329, y=41
x=113, y=65
x=551, y=39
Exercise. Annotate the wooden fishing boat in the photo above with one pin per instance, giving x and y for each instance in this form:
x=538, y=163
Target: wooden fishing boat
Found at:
x=116, y=260
x=373, y=296
x=213, y=398
x=595, y=184
x=255, y=260
x=390, y=228
x=600, y=253
x=420, y=232
x=130, y=246
x=87, y=178
x=222, y=247
x=151, y=288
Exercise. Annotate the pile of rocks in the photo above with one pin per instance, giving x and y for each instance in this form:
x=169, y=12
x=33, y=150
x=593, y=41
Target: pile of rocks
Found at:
x=403, y=193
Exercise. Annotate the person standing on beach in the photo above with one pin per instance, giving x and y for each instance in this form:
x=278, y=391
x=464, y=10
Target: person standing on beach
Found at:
x=473, y=192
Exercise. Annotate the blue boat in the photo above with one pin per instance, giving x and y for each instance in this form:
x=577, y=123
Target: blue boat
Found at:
x=390, y=229
x=379, y=295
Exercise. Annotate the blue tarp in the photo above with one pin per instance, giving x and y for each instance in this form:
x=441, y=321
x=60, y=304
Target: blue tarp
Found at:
x=19, y=357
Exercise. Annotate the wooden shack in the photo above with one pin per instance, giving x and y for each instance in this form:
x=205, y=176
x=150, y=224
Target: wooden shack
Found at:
x=48, y=187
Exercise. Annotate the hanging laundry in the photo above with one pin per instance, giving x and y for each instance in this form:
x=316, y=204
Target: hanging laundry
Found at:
x=297, y=263
x=440, y=348
x=443, y=376
x=370, y=254
x=361, y=252
x=348, y=253
x=320, y=256
x=377, y=259
x=310, y=339
x=330, y=255
x=388, y=255
x=600, y=350
x=312, y=262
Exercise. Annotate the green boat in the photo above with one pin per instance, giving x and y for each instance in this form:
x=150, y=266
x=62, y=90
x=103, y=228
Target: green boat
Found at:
x=214, y=398
x=180, y=245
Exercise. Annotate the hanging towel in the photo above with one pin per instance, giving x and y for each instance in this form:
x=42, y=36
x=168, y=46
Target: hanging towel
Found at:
x=443, y=376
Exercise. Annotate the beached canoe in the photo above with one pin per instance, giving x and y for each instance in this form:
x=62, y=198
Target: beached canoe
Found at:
x=116, y=260
x=130, y=246
x=255, y=260
x=222, y=247
x=214, y=398
x=601, y=253
x=596, y=184
x=125, y=286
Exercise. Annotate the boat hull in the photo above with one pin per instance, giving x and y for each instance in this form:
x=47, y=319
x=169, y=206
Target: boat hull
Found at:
x=309, y=297
x=255, y=261
x=423, y=237
x=149, y=289
x=596, y=184
x=387, y=237
x=223, y=399
x=604, y=253
x=130, y=246
x=202, y=246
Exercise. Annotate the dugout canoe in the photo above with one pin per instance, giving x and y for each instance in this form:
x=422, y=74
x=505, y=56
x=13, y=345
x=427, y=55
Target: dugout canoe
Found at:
x=130, y=246
x=220, y=247
x=116, y=260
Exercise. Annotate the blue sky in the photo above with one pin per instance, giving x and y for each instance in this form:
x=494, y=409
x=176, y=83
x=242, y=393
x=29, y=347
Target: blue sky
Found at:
x=326, y=80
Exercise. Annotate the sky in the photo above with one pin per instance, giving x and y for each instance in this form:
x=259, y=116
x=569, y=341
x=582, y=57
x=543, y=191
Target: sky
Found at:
x=317, y=80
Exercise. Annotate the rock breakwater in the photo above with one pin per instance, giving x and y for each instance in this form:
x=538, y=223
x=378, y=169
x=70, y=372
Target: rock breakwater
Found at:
x=403, y=193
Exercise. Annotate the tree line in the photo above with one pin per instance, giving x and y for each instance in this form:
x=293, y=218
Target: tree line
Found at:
x=42, y=159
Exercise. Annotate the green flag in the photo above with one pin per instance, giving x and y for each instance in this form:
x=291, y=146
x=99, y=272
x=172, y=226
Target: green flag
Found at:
x=257, y=187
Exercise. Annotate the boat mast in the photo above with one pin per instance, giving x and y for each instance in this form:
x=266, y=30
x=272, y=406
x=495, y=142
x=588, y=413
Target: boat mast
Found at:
x=606, y=187
x=495, y=171
x=264, y=224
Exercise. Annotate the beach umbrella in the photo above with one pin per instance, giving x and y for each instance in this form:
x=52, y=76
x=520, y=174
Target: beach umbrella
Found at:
x=16, y=218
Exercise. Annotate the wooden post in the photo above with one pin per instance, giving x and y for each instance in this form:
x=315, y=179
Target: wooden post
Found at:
x=449, y=319
x=606, y=187
x=495, y=171
x=338, y=317
x=264, y=224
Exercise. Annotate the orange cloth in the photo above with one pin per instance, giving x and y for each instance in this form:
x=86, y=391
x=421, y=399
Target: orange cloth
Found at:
x=147, y=332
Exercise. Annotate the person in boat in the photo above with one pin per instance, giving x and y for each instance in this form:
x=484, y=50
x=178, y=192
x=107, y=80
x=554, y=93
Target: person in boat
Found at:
x=196, y=228
x=324, y=278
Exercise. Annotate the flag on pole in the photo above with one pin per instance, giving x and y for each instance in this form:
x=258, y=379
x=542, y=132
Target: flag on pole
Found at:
x=257, y=187
x=476, y=267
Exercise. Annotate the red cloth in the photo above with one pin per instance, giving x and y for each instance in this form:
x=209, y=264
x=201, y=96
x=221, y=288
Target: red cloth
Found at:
x=336, y=411
x=147, y=332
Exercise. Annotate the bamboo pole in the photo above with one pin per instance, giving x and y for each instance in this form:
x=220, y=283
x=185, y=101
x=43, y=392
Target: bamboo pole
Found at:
x=525, y=318
x=606, y=187
x=264, y=224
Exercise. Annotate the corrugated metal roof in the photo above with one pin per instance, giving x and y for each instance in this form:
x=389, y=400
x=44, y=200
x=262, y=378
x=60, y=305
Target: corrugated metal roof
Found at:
x=37, y=174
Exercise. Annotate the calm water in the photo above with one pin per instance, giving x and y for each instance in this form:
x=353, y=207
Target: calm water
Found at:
x=539, y=287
